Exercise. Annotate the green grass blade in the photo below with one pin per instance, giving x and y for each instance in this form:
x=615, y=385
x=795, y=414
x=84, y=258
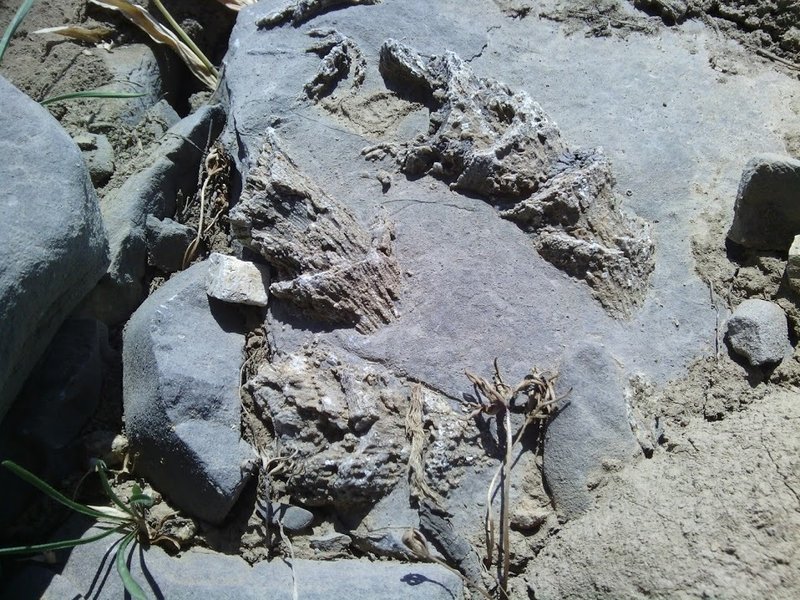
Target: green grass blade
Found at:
x=12, y=27
x=50, y=491
x=38, y=548
x=90, y=94
x=101, y=468
x=133, y=588
x=186, y=39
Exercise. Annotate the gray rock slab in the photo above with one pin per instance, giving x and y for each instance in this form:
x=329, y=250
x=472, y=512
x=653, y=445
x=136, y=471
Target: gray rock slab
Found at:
x=767, y=211
x=205, y=574
x=590, y=433
x=54, y=247
x=759, y=332
x=167, y=241
x=181, y=358
x=477, y=288
x=173, y=168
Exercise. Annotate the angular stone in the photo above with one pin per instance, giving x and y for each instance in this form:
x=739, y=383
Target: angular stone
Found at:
x=167, y=241
x=767, y=211
x=759, y=332
x=181, y=358
x=237, y=281
x=172, y=169
x=99, y=156
x=54, y=247
x=590, y=432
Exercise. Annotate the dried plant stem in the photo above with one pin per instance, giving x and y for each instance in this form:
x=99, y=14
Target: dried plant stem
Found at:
x=505, y=519
x=186, y=39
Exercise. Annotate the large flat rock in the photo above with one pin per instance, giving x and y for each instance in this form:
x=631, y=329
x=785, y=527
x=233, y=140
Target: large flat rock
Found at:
x=476, y=287
x=54, y=247
x=89, y=573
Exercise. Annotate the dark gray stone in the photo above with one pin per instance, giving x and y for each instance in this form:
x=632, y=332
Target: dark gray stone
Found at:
x=590, y=433
x=173, y=168
x=759, y=332
x=54, y=248
x=206, y=574
x=767, y=211
x=292, y=518
x=181, y=358
x=167, y=241
x=63, y=391
x=99, y=156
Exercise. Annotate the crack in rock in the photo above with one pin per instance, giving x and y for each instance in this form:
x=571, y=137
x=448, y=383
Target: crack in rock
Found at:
x=340, y=55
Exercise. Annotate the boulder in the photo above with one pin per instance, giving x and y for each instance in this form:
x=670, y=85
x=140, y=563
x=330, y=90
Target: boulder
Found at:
x=767, y=211
x=54, y=247
x=590, y=433
x=237, y=281
x=759, y=332
x=182, y=352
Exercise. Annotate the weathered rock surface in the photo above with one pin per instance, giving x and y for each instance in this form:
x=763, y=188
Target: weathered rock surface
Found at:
x=590, y=435
x=54, y=247
x=767, y=211
x=501, y=145
x=759, y=332
x=341, y=422
x=205, y=574
x=334, y=268
x=291, y=518
x=152, y=191
x=716, y=517
x=340, y=55
x=167, y=241
x=237, y=281
x=300, y=11
x=181, y=358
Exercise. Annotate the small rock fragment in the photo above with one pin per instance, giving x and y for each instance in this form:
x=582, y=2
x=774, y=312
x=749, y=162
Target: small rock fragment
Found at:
x=292, y=518
x=237, y=281
x=758, y=331
x=331, y=543
x=167, y=241
x=793, y=265
x=767, y=211
x=99, y=156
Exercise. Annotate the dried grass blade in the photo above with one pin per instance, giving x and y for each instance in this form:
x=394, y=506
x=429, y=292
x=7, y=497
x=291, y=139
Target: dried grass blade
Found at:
x=160, y=34
x=92, y=35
